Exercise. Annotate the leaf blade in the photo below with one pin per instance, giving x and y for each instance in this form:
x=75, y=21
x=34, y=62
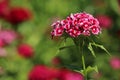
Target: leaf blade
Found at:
x=91, y=49
x=102, y=47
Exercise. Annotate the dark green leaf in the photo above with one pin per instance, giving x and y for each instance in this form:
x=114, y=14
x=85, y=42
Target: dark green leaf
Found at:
x=102, y=47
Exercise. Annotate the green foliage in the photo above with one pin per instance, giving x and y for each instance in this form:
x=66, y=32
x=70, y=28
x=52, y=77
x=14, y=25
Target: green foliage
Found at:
x=91, y=49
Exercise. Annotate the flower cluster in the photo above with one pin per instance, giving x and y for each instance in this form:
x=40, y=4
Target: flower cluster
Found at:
x=77, y=24
x=42, y=72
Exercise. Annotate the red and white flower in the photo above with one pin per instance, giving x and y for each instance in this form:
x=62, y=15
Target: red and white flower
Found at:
x=77, y=24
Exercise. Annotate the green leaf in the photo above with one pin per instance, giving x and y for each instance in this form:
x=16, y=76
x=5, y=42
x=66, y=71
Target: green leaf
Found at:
x=115, y=6
x=65, y=47
x=91, y=49
x=102, y=47
x=89, y=69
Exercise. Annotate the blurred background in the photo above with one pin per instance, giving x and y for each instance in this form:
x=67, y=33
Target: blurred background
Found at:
x=25, y=38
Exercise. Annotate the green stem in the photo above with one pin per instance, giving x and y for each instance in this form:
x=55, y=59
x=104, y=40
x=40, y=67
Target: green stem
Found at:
x=83, y=62
x=84, y=67
x=79, y=42
x=83, y=59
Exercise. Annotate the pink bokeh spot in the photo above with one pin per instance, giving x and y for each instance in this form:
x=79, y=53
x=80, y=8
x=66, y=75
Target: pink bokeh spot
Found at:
x=7, y=37
x=105, y=21
x=115, y=62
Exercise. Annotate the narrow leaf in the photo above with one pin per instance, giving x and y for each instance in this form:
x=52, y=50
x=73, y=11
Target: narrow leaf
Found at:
x=102, y=47
x=64, y=47
x=91, y=49
x=96, y=69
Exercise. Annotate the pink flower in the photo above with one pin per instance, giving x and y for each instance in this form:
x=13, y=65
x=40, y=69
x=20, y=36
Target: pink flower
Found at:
x=77, y=24
x=25, y=50
x=7, y=37
x=95, y=30
x=41, y=72
x=115, y=62
x=105, y=21
x=18, y=14
x=70, y=75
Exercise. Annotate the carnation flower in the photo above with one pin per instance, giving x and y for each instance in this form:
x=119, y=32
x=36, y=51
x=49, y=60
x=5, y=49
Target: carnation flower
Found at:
x=77, y=24
x=18, y=15
x=115, y=62
x=70, y=75
x=7, y=37
x=25, y=50
x=41, y=72
x=105, y=21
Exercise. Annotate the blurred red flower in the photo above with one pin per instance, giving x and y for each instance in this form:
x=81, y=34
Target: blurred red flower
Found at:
x=18, y=15
x=70, y=75
x=115, y=62
x=4, y=8
x=41, y=72
x=25, y=50
x=105, y=21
